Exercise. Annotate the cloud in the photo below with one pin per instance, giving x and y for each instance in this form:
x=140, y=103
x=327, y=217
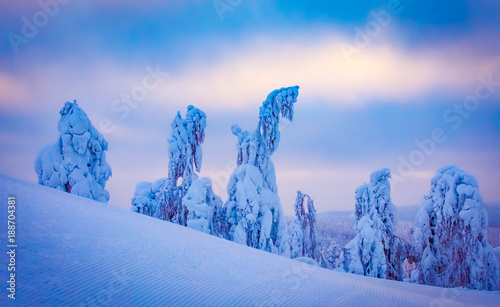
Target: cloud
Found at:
x=13, y=92
x=236, y=79
x=245, y=74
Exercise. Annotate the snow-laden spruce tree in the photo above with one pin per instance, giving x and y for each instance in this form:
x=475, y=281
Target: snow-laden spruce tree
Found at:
x=396, y=249
x=163, y=198
x=77, y=162
x=364, y=255
x=450, y=234
x=303, y=239
x=253, y=208
x=202, y=203
x=375, y=226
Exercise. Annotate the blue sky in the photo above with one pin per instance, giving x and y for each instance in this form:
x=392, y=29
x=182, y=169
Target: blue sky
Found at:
x=357, y=111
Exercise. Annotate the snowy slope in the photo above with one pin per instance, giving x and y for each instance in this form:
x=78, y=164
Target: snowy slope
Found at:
x=74, y=251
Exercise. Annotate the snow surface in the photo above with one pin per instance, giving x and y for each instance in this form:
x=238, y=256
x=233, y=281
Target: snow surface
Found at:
x=74, y=251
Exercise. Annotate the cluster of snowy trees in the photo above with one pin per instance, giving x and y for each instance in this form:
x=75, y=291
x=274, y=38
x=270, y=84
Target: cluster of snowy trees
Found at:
x=76, y=163
x=163, y=198
x=450, y=246
x=252, y=214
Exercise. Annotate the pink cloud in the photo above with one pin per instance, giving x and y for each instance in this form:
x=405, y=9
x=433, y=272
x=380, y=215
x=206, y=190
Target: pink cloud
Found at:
x=13, y=92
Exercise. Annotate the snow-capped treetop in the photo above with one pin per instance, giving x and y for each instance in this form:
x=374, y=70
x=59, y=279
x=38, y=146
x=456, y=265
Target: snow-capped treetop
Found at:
x=246, y=153
x=265, y=140
x=184, y=146
x=455, y=172
x=279, y=103
x=364, y=205
x=379, y=179
x=196, y=122
x=77, y=162
x=382, y=195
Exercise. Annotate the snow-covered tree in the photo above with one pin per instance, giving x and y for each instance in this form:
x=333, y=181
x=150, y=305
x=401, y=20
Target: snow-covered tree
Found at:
x=332, y=254
x=303, y=239
x=253, y=208
x=220, y=225
x=202, y=203
x=385, y=209
x=450, y=234
x=163, y=198
x=185, y=154
x=375, y=226
x=364, y=255
x=396, y=249
x=146, y=197
x=77, y=162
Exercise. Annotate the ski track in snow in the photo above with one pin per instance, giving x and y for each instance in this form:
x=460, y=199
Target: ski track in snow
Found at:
x=77, y=252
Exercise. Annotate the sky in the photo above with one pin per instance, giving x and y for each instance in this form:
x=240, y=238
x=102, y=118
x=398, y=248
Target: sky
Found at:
x=407, y=85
